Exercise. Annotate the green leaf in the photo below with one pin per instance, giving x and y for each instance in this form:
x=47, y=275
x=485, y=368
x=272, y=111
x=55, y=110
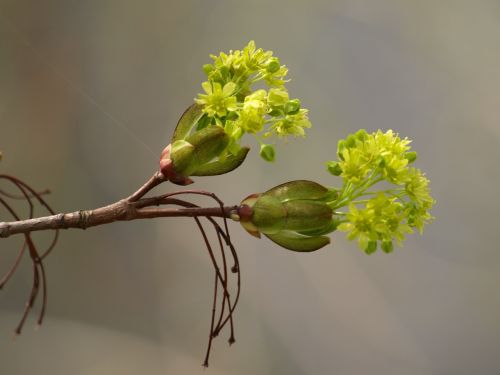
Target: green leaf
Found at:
x=187, y=121
x=269, y=214
x=198, y=149
x=182, y=156
x=296, y=242
x=209, y=143
x=222, y=166
x=331, y=227
x=299, y=189
x=307, y=215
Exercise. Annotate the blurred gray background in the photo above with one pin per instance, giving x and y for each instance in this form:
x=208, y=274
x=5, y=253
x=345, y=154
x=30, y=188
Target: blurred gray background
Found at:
x=90, y=92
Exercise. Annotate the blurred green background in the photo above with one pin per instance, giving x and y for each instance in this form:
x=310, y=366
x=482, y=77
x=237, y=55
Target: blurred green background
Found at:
x=90, y=92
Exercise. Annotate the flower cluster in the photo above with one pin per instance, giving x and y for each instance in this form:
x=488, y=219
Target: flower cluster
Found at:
x=382, y=219
x=379, y=217
x=362, y=154
x=230, y=103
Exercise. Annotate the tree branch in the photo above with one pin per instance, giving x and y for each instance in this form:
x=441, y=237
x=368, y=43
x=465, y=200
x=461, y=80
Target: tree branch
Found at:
x=132, y=208
x=104, y=215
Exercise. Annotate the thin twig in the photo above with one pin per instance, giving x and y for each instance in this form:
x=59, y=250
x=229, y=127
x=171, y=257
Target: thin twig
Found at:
x=134, y=207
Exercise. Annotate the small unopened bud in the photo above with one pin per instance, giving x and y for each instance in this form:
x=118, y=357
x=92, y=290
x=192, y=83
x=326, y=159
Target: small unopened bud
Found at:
x=274, y=65
x=387, y=246
x=334, y=168
x=411, y=156
x=340, y=148
x=292, y=107
x=361, y=134
x=371, y=247
x=267, y=152
x=208, y=68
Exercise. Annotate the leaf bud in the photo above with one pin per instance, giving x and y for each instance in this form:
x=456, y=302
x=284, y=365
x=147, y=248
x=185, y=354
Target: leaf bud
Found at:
x=293, y=215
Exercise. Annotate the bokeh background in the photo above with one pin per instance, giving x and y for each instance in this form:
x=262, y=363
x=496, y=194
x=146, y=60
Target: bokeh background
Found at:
x=90, y=92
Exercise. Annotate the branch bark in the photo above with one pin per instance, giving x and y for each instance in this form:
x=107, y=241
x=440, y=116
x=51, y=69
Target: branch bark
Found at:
x=132, y=208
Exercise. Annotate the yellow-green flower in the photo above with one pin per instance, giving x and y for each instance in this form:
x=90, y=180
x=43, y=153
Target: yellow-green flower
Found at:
x=218, y=100
x=251, y=117
x=293, y=124
x=417, y=187
x=277, y=97
x=354, y=165
x=381, y=220
x=230, y=102
x=379, y=216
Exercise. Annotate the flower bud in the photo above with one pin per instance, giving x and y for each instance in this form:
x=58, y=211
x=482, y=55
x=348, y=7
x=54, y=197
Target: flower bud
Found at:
x=334, y=168
x=267, y=152
x=361, y=135
x=411, y=156
x=387, y=246
x=208, y=68
x=293, y=215
x=274, y=65
x=340, y=148
x=198, y=149
x=292, y=107
x=370, y=247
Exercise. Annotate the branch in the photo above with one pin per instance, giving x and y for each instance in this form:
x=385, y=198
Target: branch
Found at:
x=119, y=211
x=132, y=208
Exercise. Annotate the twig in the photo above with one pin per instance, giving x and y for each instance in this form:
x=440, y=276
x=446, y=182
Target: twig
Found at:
x=134, y=207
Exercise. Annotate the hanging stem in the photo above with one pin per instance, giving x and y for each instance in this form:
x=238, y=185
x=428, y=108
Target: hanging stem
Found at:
x=134, y=207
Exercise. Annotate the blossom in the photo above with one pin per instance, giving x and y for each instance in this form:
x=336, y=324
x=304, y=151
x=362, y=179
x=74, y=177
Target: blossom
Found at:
x=290, y=124
x=251, y=117
x=218, y=100
x=380, y=216
x=417, y=187
x=381, y=220
x=231, y=102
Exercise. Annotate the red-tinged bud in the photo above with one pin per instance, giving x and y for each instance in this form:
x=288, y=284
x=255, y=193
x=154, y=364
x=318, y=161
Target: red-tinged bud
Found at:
x=167, y=169
x=245, y=213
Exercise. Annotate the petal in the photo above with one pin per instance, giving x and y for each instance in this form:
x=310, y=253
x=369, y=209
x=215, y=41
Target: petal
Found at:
x=207, y=87
x=228, y=89
x=217, y=88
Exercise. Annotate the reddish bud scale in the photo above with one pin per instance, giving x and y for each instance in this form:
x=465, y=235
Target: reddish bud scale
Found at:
x=167, y=168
